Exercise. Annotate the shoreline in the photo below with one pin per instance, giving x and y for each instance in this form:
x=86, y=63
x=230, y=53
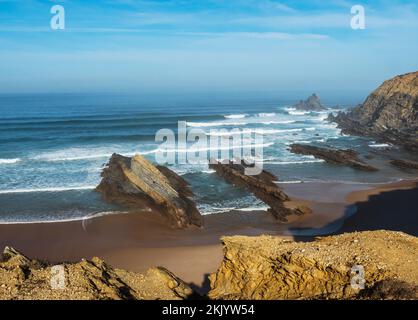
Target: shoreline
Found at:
x=138, y=241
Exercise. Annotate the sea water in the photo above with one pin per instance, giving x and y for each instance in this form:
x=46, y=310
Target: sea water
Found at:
x=53, y=148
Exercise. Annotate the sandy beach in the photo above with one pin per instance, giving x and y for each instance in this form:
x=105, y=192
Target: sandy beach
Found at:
x=138, y=241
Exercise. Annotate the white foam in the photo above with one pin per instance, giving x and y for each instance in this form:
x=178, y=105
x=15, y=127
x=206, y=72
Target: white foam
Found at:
x=380, y=145
x=295, y=162
x=298, y=113
x=290, y=182
x=55, y=189
x=10, y=161
x=235, y=116
x=266, y=114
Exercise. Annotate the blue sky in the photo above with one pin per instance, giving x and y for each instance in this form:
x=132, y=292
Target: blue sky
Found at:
x=204, y=45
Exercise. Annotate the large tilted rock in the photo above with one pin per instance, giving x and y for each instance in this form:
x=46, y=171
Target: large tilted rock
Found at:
x=136, y=182
x=272, y=268
x=390, y=113
x=313, y=103
x=336, y=156
x=263, y=186
x=22, y=278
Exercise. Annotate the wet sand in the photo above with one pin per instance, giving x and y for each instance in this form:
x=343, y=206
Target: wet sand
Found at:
x=137, y=241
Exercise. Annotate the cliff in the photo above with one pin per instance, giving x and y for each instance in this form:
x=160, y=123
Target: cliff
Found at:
x=390, y=113
x=22, y=278
x=135, y=182
x=272, y=268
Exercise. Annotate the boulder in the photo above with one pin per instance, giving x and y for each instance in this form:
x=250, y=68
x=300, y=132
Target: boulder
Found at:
x=272, y=268
x=346, y=157
x=135, y=182
x=390, y=113
x=263, y=186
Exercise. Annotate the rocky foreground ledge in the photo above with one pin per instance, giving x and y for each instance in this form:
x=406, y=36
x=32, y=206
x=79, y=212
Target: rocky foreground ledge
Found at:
x=345, y=157
x=390, y=113
x=262, y=185
x=135, y=182
x=272, y=268
x=22, y=278
x=262, y=267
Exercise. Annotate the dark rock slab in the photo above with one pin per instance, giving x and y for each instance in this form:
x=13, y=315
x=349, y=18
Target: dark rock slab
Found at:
x=405, y=164
x=263, y=186
x=335, y=156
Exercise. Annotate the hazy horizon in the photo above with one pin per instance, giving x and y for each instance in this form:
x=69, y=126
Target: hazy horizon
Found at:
x=126, y=46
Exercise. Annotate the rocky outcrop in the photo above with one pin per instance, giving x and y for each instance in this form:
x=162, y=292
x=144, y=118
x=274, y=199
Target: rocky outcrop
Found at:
x=390, y=113
x=22, y=278
x=329, y=268
x=313, y=103
x=136, y=183
x=263, y=186
x=335, y=156
x=405, y=164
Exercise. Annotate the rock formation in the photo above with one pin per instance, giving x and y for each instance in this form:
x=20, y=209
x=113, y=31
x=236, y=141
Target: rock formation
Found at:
x=136, y=183
x=313, y=103
x=263, y=186
x=273, y=268
x=22, y=278
x=342, y=157
x=390, y=113
x=405, y=164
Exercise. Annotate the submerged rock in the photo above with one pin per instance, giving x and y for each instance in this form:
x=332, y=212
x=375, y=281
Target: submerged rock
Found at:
x=313, y=103
x=135, y=182
x=405, y=164
x=263, y=186
x=21, y=278
x=329, y=268
x=342, y=157
x=390, y=113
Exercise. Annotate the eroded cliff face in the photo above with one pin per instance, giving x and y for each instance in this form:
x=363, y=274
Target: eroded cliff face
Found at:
x=389, y=113
x=272, y=268
x=136, y=183
x=22, y=278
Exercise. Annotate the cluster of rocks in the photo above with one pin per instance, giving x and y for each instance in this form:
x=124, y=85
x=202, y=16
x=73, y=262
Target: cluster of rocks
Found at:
x=135, y=183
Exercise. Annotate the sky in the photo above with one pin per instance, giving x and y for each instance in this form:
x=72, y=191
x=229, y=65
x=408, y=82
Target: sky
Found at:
x=204, y=45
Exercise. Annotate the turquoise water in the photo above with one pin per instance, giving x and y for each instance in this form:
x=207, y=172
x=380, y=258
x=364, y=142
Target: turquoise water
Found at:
x=53, y=148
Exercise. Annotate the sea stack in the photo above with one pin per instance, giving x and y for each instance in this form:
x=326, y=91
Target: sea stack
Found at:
x=390, y=113
x=135, y=182
x=313, y=103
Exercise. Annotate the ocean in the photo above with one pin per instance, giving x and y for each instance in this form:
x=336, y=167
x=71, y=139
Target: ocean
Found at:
x=53, y=148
